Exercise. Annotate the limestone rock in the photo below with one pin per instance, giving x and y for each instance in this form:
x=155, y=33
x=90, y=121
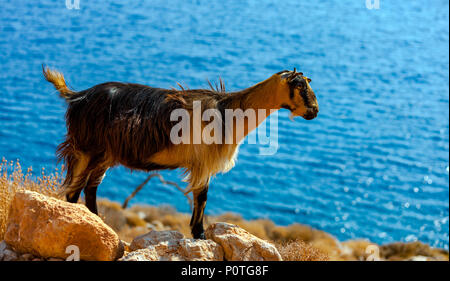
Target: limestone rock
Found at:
x=240, y=245
x=6, y=253
x=200, y=250
x=45, y=227
x=126, y=246
x=9, y=255
x=148, y=254
x=26, y=257
x=154, y=238
x=55, y=259
x=171, y=246
x=3, y=247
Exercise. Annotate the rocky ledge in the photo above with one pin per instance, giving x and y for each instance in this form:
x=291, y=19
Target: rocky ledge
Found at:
x=224, y=242
x=42, y=228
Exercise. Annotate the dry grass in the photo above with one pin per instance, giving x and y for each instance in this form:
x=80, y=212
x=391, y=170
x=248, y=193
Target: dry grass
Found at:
x=13, y=179
x=298, y=250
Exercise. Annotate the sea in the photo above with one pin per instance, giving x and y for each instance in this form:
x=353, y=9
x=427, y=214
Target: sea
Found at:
x=374, y=164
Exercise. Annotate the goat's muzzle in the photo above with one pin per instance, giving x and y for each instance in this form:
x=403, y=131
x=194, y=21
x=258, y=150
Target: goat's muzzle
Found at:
x=311, y=113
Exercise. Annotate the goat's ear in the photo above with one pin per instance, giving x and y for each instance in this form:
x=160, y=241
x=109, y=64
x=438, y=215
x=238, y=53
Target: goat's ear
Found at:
x=294, y=74
x=309, y=80
x=285, y=74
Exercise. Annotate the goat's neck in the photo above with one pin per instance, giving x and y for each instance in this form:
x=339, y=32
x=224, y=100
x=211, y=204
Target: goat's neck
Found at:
x=260, y=96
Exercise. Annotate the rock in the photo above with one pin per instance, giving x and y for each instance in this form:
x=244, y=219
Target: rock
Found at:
x=3, y=247
x=9, y=255
x=420, y=258
x=168, y=250
x=6, y=253
x=148, y=254
x=171, y=246
x=240, y=245
x=154, y=238
x=26, y=257
x=45, y=227
x=142, y=215
x=55, y=259
x=126, y=246
x=200, y=250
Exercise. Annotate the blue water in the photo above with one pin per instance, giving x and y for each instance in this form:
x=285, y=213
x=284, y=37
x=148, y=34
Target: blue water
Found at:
x=374, y=164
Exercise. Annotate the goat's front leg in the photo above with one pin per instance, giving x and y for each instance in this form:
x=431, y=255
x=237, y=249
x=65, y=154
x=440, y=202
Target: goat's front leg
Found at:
x=196, y=224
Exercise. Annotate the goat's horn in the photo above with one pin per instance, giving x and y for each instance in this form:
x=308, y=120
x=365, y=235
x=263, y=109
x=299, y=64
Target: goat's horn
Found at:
x=293, y=74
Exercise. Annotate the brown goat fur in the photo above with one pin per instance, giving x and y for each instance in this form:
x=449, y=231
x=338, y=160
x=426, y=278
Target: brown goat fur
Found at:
x=129, y=124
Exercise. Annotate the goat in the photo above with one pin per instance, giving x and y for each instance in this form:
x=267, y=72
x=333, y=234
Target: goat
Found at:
x=129, y=124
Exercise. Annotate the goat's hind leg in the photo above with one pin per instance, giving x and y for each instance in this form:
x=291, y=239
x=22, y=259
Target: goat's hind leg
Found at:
x=200, y=197
x=73, y=196
x=76, y=177
x=90, y=191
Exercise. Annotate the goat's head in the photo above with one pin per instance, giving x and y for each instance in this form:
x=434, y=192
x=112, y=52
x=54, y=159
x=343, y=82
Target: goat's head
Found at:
x=296, y=94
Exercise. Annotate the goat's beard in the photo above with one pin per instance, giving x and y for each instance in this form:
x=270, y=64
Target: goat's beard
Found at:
x=291, y=116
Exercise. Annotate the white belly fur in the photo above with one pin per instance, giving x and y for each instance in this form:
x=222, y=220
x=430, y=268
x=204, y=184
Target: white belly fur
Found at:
x=200, y=161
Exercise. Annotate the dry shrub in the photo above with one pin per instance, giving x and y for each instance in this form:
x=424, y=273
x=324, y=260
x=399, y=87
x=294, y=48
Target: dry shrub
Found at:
x=298, y=250
x=151, y=213
x=134, y=219
x=255, y=227
x=178, y=222
x=112, y=214
x=405, y=251
x=358, y=250
x=229, y=217
x=292, y=232
x=13, y=179
x=128, y=233
x=329, y=246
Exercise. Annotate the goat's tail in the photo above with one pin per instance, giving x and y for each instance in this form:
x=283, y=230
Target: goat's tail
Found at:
x=57, y=79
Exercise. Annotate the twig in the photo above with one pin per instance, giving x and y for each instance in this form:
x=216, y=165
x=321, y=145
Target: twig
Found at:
x=139, y=187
